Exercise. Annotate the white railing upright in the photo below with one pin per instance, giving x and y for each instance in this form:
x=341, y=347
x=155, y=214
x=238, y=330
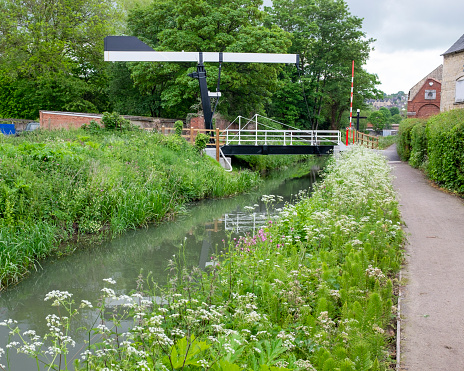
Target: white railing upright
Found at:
x=272, y=136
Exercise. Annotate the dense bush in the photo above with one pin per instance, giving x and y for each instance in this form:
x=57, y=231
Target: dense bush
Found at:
x=418, y=151
x=403, y=144
x=178, y=127
x=54, y=185
x=113, y=121
x=445, y=149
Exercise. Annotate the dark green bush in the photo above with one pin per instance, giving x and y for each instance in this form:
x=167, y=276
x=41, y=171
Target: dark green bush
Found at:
x=445, y=149
x=201, y=141
x=113, y=121
x=418, y=152
x=403, y=144
x=178, y=126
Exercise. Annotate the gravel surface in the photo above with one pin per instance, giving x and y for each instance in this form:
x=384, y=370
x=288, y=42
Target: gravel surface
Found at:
x=432, y=305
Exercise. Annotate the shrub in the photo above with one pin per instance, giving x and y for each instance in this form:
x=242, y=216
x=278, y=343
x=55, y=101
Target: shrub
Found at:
x=113, y=121
x=404, y=138
x=418, y=152
x=201, y=141
x=178, y=126
x=93, y=127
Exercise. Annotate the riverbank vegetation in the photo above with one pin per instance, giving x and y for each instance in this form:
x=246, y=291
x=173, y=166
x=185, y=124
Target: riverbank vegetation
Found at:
x=311, y=290
x=436, y=145
x=63, y=185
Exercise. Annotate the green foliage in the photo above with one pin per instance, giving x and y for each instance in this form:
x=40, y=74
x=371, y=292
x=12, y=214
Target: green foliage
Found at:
x=404, y=138
x=327, y=37
x=51, y=56
x=396, y=119
x=378, y=120
x=201, y=140
x=93, y=127
x=178, y=127
x=112, y=121
x=126, y=98
x=185, y=352
x=418, y=145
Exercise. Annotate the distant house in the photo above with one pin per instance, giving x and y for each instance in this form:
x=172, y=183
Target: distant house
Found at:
x=424, y=97
x=452, y=93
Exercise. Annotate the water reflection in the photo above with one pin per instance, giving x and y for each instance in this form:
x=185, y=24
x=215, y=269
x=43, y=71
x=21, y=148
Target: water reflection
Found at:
x=200, y=233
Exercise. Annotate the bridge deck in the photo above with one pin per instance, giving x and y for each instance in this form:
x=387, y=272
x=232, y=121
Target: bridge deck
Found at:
x=264, y=149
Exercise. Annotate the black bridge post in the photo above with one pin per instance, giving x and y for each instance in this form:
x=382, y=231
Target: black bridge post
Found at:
x=205, y=101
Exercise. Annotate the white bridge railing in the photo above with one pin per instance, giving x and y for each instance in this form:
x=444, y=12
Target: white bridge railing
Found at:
x=251, y=134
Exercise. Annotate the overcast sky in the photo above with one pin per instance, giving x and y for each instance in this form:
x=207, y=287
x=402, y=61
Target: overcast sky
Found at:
x=411, y=36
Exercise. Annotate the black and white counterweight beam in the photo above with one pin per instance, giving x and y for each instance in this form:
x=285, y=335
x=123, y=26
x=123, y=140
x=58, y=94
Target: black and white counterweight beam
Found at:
x=131, y=49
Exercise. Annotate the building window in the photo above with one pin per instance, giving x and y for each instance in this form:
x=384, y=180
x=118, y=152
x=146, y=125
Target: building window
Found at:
x=430, y=94
x=459, y=90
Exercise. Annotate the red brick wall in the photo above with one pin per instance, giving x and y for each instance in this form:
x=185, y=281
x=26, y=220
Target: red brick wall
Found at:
x=428, y=110
x=52, y=120
x=197, y=122
x=419, y=107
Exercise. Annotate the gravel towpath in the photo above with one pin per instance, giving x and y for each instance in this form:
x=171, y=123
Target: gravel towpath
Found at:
x=432, y=304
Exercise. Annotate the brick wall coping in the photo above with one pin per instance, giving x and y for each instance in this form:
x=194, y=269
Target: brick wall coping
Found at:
x=78, y=114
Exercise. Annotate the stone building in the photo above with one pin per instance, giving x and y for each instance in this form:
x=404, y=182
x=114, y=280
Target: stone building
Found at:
x=452, y=92
x=424, y=97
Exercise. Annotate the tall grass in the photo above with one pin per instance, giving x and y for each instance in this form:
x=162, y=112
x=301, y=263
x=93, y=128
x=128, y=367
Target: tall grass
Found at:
x=56, y=185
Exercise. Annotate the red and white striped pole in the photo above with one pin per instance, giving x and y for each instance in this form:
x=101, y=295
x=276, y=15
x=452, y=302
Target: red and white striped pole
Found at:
x=351, y=100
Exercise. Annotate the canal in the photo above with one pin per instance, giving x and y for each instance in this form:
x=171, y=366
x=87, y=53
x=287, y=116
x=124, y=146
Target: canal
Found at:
x=199, y=233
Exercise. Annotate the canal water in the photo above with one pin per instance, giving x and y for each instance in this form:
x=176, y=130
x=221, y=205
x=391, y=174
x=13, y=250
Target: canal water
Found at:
x=200, y=233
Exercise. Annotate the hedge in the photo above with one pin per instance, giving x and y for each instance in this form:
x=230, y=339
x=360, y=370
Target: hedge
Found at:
x=437, y=146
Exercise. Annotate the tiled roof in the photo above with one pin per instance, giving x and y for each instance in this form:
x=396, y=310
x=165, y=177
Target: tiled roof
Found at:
x=458, y=46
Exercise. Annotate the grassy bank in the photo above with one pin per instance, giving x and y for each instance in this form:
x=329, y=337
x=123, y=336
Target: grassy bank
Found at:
x=312, y=290
x=63, y=185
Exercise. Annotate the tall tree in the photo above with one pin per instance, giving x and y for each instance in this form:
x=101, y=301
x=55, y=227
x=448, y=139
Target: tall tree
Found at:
x=327, y=37
x=51, y=55
x=217, y=25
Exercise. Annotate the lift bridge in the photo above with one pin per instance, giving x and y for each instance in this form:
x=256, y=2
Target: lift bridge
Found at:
x=263, y=136
x=255, y=136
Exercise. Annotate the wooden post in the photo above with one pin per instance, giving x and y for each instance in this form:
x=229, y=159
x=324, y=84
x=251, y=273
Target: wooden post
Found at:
x=217, y=144
x=191, y=135
x=163, y=130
